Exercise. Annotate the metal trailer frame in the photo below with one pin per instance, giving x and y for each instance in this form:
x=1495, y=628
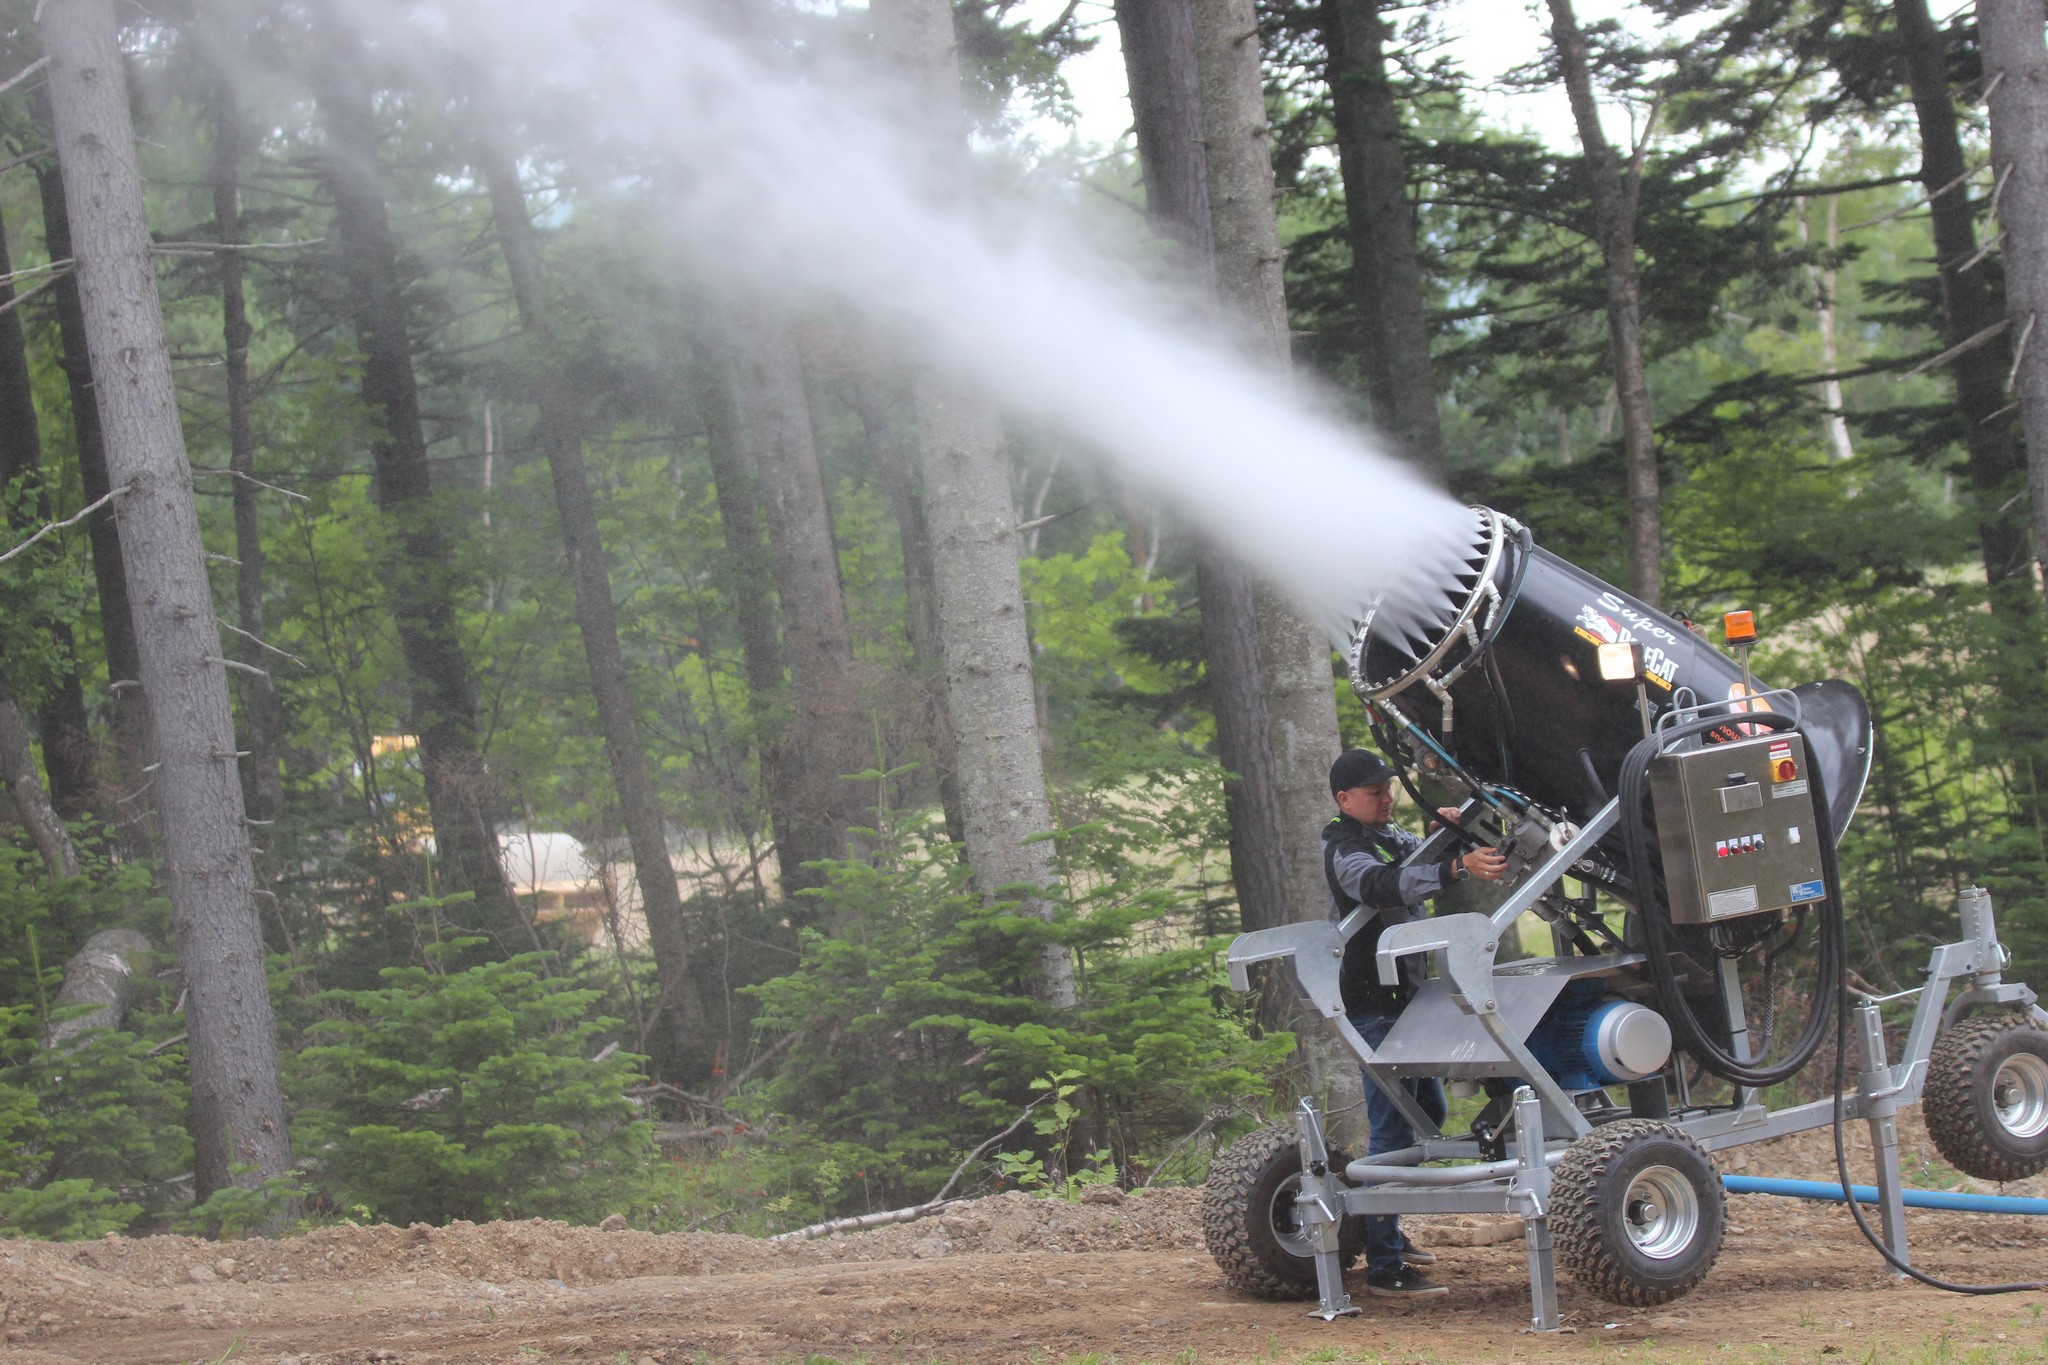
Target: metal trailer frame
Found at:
x=1470, y=1020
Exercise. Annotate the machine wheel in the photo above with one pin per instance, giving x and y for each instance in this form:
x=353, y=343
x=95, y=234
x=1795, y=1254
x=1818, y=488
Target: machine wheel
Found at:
x=1637, y=1212
x=1986, y=1101
x=1250, y=1222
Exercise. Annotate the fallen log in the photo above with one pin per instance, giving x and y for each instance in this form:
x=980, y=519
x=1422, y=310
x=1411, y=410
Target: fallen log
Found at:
x=102, y=974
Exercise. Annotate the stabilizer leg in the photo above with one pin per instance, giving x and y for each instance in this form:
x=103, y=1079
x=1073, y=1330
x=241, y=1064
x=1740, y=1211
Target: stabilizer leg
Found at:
x=1881, y=1107
x=1322, y=1213
x=1532, y=1181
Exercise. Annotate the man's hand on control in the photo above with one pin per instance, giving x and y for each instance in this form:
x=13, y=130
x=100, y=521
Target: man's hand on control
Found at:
x=1487, y=864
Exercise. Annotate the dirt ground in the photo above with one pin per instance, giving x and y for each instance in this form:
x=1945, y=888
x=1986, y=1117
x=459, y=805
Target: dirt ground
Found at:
x=1009, y=1278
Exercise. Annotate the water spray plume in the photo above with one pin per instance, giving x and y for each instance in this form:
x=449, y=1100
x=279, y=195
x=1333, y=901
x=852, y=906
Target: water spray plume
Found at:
x=788, y=189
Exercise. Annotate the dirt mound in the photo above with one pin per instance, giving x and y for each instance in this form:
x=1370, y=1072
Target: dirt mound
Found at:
x=1008, y=1278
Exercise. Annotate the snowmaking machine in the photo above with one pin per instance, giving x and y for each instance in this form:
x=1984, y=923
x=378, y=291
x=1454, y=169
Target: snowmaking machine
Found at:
x=1674, y=824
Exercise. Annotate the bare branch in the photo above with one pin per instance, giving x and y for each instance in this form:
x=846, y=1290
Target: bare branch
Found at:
x=737, y=1081
x=252, y=479
x=18, y=77
x=211, y=248
x=32, y=271
x=82, y=514
x=1917, y=203
x=25, y=295
x=1051, y=30
x=1998, y=190
x=972, y=1156
x=2019, y=349
x=261, y=643
x=1980, y=253
x=26, y=157
x=915, y=1211
x=235, y=664
x=1963, y=347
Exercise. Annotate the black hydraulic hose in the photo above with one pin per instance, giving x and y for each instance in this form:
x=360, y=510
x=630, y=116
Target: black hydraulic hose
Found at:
x=1892, y=1259
x=1655, y=912
x=1391, y=745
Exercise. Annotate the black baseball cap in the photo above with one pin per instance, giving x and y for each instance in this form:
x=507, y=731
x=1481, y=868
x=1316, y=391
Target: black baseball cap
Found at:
x=1358, y=768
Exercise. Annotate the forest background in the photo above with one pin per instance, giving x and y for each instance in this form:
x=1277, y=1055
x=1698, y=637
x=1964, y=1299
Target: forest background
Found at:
x=695, y=761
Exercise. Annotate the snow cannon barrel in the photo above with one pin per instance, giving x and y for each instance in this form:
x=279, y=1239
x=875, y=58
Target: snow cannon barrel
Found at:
x=1494, y=654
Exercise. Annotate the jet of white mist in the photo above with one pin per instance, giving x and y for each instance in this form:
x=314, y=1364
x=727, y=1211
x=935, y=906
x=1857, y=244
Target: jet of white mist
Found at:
x=791, y=188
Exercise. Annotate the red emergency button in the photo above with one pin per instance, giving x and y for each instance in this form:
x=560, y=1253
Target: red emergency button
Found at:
x=1784, y=770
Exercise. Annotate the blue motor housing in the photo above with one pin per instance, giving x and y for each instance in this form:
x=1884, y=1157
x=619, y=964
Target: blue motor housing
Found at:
x=1590, y=1039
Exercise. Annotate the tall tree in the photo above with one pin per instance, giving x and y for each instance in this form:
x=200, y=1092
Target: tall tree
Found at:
x=1294, y=658
x=263, y=774
x=67, y=744
x=750, y=570
x=898, y=475
x=1158, y=41
x=560, y=437
x=1614, y=191
x=1386, y=274
x=820, y=738
x=1294, y=665
x=2016, y=73
x=1158, y=38
x=1970, y=306
x=979, y=593
x=420, y=576
x=238, y=1116
x=134, y=803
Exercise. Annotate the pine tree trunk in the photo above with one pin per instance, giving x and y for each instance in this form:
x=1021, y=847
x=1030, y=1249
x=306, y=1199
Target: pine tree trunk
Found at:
x=1295, y=675
x=133, y=808
x=750, y=572
x=822, y=737
x=661, y=900
x=1614, y=217
x=2016, y=61
x=67, y=743
x=101, y=974
x=1386, y=277
x=1970, y=304
x=979, y=594
x=238, y=1116
x=1160, y=62
x=1160, y=67
x=263, y=715
x=1294, y=658
x=1833, y=422
x=421, y=570
x=920, y=612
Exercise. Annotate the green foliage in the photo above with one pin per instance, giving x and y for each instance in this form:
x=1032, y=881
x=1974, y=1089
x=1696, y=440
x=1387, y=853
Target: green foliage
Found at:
x=64, y=1211
x=1098, y=687
x=238, y=1210
x=923, y=1039
x=92, y=1135
x=1057, y=1115
x=472, y=1095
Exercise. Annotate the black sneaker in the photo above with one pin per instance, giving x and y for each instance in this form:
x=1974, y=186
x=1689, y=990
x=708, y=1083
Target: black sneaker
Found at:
x=1415, y=1255
x=1404, y=1284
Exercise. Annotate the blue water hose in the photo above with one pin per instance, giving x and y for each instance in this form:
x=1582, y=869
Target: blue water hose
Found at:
x=1867, y=1194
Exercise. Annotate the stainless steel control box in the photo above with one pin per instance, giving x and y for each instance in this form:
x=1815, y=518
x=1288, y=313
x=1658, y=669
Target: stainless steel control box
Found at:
x=1737, y=828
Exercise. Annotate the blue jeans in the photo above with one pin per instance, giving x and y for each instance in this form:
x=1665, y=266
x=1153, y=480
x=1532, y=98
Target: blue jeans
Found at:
x=1391, y=1131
